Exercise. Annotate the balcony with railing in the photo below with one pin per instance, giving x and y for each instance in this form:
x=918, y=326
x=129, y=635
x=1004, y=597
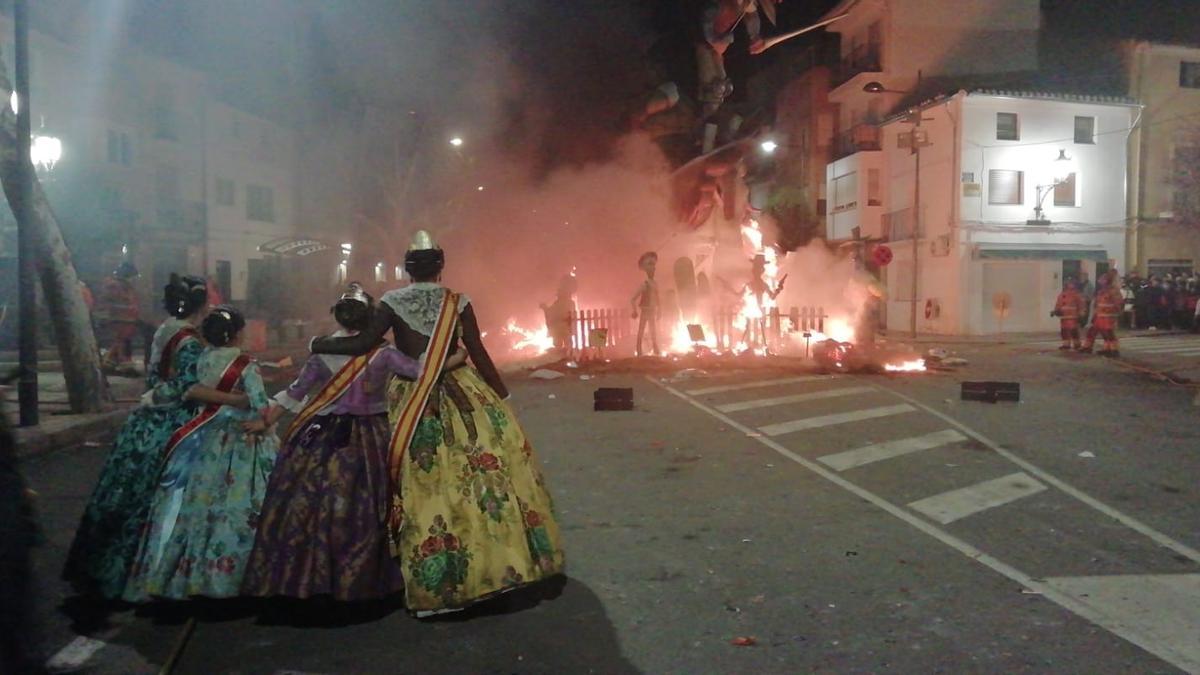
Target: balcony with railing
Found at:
x=853, y=186
x=861, y=59
x=860, y=137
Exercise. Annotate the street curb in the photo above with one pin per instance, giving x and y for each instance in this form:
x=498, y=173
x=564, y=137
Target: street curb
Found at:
x=32, y=441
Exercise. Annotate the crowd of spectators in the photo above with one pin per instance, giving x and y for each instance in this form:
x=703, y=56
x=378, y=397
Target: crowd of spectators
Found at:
x=1166, y=301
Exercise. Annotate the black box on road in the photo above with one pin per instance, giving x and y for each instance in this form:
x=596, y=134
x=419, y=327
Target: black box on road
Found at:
x=991, y=392
x=613, y=398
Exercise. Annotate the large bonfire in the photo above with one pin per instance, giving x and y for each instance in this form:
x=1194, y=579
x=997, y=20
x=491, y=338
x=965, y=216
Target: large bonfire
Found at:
x=757, y=322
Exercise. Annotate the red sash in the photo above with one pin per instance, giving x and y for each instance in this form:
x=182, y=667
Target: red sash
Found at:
x=332, y=391
x=229, y=379
x=168, y=352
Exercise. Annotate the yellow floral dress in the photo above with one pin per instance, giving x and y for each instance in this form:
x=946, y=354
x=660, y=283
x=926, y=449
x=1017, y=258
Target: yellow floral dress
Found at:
x=478, y=518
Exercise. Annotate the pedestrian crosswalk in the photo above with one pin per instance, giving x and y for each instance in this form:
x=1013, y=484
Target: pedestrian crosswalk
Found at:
x=925, y=468
x=791, y=409
x=794, y=398
x=792, y=426
x=962, y=502
x=877, y=452
x=844, y=427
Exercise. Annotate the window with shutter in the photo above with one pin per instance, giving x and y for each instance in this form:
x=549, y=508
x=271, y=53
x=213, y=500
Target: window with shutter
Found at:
x=1189, y=74
x=1085, y=129
x=1005, y=186
x=1007, y=127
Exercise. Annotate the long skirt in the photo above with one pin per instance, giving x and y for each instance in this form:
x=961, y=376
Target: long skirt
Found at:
x=108, y=534
x=205, y=513
x=322, y=526
x=478, y=519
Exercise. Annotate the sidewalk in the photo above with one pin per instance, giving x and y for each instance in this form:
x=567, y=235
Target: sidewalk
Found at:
x=902, y=336
x=58, y=427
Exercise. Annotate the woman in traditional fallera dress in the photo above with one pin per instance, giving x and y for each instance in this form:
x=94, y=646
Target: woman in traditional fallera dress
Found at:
x=209, y=490
x=470, y=516
x=108, y=534
x=322, y=527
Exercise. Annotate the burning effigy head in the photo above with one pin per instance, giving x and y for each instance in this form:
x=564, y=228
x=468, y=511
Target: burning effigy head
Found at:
x=648, y=262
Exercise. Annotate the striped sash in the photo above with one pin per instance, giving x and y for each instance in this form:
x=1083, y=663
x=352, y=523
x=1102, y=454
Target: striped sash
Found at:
x=414, y=404
x=332, y=391
x=229, y=379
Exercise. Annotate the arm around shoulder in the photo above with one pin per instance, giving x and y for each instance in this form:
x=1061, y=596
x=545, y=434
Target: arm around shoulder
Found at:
x=357, y=345
x=479, y=356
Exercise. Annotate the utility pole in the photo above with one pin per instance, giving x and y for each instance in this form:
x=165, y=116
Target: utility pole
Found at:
x=912, y=319
x=27, y=386
x=916, y=220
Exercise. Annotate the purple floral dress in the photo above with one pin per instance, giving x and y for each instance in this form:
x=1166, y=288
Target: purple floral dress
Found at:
x=322, y=531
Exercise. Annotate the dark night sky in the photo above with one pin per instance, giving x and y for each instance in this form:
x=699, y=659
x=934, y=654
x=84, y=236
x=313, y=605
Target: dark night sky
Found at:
x=534, y=72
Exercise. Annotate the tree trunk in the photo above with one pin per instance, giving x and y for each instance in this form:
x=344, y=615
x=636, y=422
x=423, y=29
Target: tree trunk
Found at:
x=86, y=387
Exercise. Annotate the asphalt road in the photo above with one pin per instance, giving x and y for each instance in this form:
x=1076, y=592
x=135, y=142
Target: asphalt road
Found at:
x=842, y=524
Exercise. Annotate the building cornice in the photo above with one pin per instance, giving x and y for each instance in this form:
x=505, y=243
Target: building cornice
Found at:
x=1097, y=99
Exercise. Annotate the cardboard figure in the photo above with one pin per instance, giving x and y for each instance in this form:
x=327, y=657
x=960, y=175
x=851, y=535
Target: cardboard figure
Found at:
x=646, y=304
x=559, y=313
x=760, y=290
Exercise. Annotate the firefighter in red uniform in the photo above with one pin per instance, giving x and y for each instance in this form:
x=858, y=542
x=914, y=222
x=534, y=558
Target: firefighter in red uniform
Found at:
x=1069, y=307
x=1108, y=310
x=118, y=314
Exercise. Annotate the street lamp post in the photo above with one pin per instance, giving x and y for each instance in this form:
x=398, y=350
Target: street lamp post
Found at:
x=1061, y=172
x=914, y=117
x=27, y=386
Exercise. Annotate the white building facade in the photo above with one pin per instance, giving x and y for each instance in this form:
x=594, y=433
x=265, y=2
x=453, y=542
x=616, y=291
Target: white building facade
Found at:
x=251, y=170
x=176, y=180
x=986, y=261
x=894, y=42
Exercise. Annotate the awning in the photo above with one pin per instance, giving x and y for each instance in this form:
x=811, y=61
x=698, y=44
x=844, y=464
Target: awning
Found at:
x=290, y=246
x=1043, y=252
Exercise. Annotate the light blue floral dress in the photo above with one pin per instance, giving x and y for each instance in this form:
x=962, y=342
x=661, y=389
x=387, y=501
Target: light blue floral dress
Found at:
x=108, y=534
x=207, y=502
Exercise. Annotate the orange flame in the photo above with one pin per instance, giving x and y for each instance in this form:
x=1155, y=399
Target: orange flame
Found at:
x=537, y=340
x=916, y=365
x=752, y=309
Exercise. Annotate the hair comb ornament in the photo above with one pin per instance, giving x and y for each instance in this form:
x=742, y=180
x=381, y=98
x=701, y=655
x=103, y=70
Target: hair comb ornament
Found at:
x=356, y=293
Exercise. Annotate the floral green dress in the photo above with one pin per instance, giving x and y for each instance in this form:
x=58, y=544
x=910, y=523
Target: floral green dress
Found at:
x=108, y=533
x=208, y=498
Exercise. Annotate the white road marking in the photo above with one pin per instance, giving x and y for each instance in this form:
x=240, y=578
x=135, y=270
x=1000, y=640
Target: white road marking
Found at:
x=1189, y=349
x=958, y=504
x=1187, y=352
x=1044, y=476
x=795, y=398
x=1152, y=338
x=75, y=654
x=1100, y=616
x=760, y=383
x=836, y=418
x=1161, y=608
x=877, y=452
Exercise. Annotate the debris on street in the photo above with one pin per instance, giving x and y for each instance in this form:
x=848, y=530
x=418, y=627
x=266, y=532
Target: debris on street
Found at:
x=545, y=374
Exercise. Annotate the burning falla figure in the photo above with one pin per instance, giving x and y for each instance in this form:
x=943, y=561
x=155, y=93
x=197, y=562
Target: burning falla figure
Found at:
x=645, y=302
x=755, y=334
x=558, y=314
